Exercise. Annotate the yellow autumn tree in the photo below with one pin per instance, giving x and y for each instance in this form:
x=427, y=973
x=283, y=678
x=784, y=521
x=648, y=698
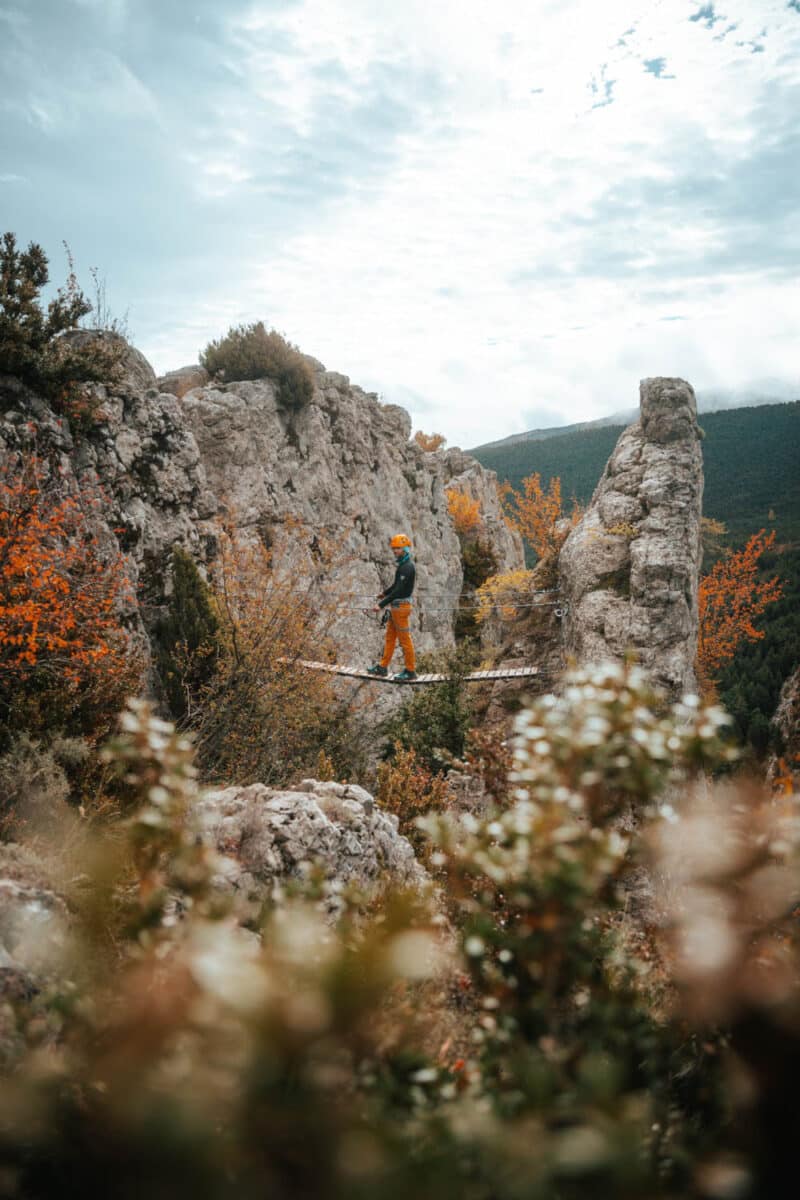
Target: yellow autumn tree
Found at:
x=535, y=512
x=465, y=511
x=429, y=441
x=65, y=658
x=504, y=594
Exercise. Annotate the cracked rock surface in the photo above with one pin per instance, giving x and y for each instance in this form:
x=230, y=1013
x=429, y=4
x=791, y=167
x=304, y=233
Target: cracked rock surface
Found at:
x=174, y=458
x=629, y=570
x=272, y=835
x=343, y=468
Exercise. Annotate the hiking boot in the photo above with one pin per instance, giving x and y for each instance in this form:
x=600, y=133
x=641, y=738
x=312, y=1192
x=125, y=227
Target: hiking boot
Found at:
x=405, y=676
x=378, y=670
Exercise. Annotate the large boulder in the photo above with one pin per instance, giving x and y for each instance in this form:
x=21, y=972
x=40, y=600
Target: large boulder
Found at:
x=135, y=372
x=272, y=836
x=629, y=570
x=183, y=380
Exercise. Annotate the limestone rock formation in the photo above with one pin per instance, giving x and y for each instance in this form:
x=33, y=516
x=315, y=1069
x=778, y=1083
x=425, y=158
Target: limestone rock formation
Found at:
x=629, y=569
x=136, y=373
x=171, y=466
x=343, y=467
x=183, y=380
x=142, y=463
x=467, y=475
x=272, y=836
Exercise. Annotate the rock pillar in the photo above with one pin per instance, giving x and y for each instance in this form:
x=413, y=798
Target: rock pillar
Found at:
x=629, y=570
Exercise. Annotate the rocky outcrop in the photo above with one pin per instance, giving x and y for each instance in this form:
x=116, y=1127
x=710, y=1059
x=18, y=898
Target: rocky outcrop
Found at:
x=183, y=380
x=272, y=836
x=465, y=474
x=139, y=461
x=134, y=374
x=340, y=470
x=629, y=570
x=343, y=470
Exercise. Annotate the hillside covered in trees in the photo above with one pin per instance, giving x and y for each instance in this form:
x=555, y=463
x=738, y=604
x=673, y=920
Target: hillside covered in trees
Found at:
x=750, y=458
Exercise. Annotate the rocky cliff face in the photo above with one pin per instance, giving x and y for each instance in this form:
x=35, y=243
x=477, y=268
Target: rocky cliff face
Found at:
x=629, y=569
x=344, y=466
x=175, y=458
x=172, y=466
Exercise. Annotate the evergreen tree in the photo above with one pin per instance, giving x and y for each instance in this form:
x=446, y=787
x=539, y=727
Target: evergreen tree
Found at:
x=187, y=637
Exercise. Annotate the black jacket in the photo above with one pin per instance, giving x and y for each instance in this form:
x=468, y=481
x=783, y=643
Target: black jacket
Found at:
x=403, y=586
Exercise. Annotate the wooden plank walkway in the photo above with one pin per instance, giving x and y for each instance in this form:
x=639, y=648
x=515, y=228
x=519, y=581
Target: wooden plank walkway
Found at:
x=362, y=673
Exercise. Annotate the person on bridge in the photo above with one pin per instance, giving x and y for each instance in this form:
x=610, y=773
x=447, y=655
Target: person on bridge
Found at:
x=397, y=600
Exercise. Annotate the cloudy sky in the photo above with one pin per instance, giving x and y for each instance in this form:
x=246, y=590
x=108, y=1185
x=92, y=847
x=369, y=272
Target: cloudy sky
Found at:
x=499, y=215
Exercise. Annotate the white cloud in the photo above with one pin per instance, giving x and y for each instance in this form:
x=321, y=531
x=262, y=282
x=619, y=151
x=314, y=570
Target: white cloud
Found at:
x=481, y=211
x=460, y=274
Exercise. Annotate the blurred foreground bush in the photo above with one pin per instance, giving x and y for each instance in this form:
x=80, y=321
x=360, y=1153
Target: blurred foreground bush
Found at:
x=563, y=1034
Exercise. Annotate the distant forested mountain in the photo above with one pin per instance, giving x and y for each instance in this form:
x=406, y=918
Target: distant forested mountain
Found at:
x=751, y=460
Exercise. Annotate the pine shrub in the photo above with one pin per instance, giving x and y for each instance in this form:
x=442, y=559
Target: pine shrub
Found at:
x=32, y=347
x=186, y=639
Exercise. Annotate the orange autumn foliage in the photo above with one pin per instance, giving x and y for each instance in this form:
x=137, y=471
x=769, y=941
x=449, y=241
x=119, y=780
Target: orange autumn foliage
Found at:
x=730, y=598
x=430, y=442
x=465, y=511
x=535, y=511
x=59, y=593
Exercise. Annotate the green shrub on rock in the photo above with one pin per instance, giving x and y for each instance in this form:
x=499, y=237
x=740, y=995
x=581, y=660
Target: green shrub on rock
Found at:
x=434, y=720
x=254, y=352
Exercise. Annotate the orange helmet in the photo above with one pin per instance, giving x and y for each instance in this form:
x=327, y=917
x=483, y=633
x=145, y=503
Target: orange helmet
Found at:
x=399, y=541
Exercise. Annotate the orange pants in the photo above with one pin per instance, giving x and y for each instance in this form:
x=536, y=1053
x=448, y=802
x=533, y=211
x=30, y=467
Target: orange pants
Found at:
x=397, y=629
